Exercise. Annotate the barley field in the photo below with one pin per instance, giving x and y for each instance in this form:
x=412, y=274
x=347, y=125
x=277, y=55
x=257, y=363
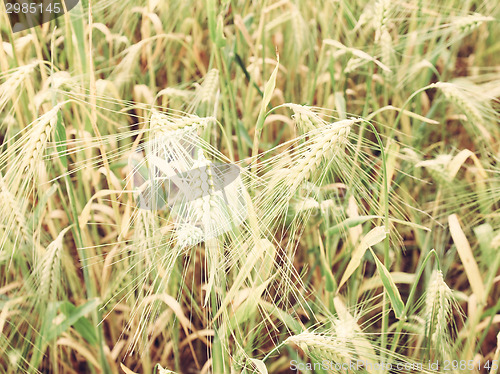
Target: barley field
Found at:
x=235, y=186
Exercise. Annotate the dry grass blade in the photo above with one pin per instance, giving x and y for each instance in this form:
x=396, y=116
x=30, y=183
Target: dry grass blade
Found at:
x=465, y=252
x=373, y=237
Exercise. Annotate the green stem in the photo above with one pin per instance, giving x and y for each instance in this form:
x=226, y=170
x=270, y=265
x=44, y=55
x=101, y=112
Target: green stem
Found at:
x=413, y=290
x=385, y=316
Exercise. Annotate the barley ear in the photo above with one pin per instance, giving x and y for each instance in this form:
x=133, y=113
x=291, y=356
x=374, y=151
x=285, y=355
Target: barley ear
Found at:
x=15, y=214
x=305, y=118
x=321, y=347
x=49, y=270
x=438, y=308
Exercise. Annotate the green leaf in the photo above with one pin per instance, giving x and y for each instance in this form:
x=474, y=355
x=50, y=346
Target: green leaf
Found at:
x=330, y=283
x=212, y=24
x=268, y=92
x=42, y=202
x=60, y=137
x=370, y=239
x=72, y=318
x=41, y=340
x=289, y=321
x=77, y=17
x=349, y=223
x=220, y=38
x=248, y=308
x=256, y=257
x=244, y=134
x=83, y=326
x=126, y=370
x=390, y=287
x=485, y=234
x=340, y=105
x=259, y=365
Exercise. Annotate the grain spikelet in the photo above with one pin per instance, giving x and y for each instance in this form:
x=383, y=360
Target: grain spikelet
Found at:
x=469, y=104
x=124, y=70
x=162, y=123
x=468, y=23
x=206, y=97
x=360, y=57
x=300, y=32
x=199, y=199
x=41, y=133
x=383, y=37
x=438, y=308
x=346, y=345
x=11, y=209
x=12, y=84
x=49, y=269
x=305, y=118
x=326, y=143
x=61, y=80
x=26, y=154
x=322, y=347
x=387, y=51
x=381, y=13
